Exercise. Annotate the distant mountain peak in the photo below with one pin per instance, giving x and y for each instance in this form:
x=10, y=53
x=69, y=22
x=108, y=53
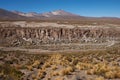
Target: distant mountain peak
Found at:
x=59, y=13
x=18, y=12
x=59, y=10
x=30, y=14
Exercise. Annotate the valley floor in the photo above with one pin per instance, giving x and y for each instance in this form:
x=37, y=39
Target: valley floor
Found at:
x=61, y=47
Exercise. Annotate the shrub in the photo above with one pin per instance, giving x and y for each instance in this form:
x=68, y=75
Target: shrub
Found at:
x=99, y=78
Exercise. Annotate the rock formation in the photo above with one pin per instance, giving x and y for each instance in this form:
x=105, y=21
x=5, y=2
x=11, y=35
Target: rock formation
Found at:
x=48, y=35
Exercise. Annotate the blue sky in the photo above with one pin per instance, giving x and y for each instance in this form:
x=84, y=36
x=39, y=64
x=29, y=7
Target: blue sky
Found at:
x=95, y=8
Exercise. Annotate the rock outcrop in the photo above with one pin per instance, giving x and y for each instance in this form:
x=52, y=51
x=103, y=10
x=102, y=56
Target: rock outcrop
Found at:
x=53, y=35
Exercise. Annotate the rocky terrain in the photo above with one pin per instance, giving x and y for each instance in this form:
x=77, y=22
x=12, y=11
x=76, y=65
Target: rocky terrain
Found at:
x=58, y=49
x=58, y=45
x=54, y=36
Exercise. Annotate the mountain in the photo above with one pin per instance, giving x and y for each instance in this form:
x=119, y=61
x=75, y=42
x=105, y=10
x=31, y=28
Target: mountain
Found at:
x=52, y=14
x=8, y=15
x=56, y=15
x=30, y=14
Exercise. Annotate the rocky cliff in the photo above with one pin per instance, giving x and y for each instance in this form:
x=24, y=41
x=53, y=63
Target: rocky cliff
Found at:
x=53, y=35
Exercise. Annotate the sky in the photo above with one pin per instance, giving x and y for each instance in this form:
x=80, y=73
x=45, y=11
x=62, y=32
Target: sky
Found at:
x=91, y=8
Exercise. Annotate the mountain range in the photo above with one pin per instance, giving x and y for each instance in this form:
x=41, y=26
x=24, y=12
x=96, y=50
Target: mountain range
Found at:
x=47, y=14
x=57, y=14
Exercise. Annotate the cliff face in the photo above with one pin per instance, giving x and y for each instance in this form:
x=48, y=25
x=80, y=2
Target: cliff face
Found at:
x=50, y=35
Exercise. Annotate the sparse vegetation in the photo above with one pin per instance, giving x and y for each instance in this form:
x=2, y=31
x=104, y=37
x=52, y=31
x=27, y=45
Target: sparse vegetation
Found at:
x=100, y=65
